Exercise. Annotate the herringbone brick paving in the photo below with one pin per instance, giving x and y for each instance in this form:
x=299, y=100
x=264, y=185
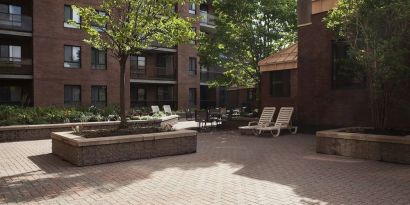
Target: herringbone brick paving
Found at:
x=227, y=169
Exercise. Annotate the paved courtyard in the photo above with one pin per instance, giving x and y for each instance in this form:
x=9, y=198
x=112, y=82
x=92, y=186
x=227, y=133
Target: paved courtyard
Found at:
x=227, y=169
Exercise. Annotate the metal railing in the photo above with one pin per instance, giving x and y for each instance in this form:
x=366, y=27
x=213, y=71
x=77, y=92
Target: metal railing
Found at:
x=207, y=76
x=153, y=74
x=16, y=66
x=16, y=22
x=207, y=18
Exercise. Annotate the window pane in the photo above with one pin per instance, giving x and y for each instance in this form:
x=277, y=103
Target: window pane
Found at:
x=101, y=57
x=15, y=94
x=141, y=94
x=67, y=13
x=76, y=17
x=15, y=10
x=68, y=53
x=76, y=53
x=4, y=51
x=76, y=93
x=102, y=93
x=4, y=8
x=15, y=53
x=67, y=93
x=141, y=61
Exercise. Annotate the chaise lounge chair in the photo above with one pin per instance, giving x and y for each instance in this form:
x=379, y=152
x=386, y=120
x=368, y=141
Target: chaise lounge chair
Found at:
x=167, y=109
x=155, y=108
x=264, y=120
x=283, y=122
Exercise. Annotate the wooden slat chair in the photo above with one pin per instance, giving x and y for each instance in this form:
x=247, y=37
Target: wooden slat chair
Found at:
x=167, y=109
x=264, y=120
x=282, y=122
x=155, y=108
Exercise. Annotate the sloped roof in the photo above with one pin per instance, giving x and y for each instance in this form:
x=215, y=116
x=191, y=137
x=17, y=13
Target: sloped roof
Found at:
x=282, y=60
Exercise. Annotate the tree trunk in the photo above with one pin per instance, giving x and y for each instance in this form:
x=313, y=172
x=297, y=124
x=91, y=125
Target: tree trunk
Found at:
x=122, y=62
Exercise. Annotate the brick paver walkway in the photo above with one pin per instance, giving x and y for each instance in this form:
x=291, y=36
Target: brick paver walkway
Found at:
x=228, y=169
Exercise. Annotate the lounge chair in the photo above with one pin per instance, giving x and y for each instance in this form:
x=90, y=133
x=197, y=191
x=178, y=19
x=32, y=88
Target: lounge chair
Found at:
x=264, y=120
x=282, y=122
x=155, y=108
x=167, y=109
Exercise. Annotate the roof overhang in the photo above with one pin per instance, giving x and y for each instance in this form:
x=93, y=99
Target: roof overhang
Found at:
x=283, y=60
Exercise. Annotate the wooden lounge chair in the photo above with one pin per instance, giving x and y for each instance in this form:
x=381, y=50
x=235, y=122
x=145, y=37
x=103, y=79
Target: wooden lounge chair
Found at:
x=282, y=122
x=264, y=120
x=155, y=108
x=167, y=109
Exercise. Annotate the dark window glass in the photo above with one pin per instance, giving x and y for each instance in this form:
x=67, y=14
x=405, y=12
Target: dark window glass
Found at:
x=192, y=66
x=165, y=93
x=99, y=96
x=280, y=83
x=138, y=62
x=192, y=97
x=192, y=8
x=72, y=95
x=72, y=56
x=70, y=14
x=98, y=59
x=345, y=73
x=10, y=94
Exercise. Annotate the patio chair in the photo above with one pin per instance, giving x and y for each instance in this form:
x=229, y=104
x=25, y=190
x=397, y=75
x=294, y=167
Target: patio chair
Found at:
x=167, y=109
x=264, y=120
x=155, y=108
x=282, y=122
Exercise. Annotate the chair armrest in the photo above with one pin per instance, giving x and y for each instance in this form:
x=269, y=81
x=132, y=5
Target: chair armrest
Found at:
x=253, y=122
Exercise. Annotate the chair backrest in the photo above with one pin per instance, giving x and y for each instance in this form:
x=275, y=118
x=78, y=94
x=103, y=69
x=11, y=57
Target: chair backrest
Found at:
x=155, y=108
x=284, y=116
x=167, y=109
x=267, y=115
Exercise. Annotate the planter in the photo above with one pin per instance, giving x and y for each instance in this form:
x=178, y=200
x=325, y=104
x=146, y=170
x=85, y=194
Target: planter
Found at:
x=364, y=146
x=37, y=132
x=82, y=151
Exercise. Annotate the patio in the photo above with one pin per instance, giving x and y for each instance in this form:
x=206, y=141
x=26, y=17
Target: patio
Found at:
x=227, y=169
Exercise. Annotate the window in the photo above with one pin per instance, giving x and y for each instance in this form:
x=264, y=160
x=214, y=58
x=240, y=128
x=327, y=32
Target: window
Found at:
x=141, y=94
x=192, y=66
x=195, y=40
x=10, y=53
x=138, y=62
x=345, y=73
x=99, y=95
x=98, y=27
x=192, y=97
x=98, y=59
x=70, y=14
x=72, y=56
x=10, y=94
x=72, y=95
x=165, y=93
x=280, y=83
x=192, y=8
x=10, y=15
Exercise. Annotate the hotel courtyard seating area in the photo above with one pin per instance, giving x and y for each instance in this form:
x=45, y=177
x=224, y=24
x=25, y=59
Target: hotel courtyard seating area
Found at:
x=228, y=168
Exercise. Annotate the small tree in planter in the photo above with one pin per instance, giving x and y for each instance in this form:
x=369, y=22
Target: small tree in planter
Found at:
x=128, y=27
x=378, y=33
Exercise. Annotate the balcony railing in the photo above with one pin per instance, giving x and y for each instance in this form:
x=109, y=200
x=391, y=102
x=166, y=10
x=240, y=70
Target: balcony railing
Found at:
x=16, y=66
x=207, y=76
x=147, y=104
x=153, y=74
x=208, y=19
x=16, y=22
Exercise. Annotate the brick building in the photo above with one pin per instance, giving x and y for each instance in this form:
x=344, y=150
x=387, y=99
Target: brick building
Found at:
x=44, y=62
x=323, y=95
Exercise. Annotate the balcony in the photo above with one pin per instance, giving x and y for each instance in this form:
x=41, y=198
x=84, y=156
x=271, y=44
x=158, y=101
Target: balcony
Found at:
x=16, y=66
x=207, y=22
x=12, y=22
x=156, y=74
x=207, y=76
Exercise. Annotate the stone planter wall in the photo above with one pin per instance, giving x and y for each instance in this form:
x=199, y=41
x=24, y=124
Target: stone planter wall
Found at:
x=90, y=151
x=37, y=132
x=364, y=146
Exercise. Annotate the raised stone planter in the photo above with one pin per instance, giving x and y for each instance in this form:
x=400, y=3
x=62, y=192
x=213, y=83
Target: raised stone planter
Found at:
x=37, y=132
x=82, y=151
x=364, y=146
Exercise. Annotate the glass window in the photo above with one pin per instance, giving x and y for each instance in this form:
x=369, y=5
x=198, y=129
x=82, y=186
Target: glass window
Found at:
x=10, y=53
x=99, y=96
x=71, y=14
x=192, y=8
x=72, y=56
x=141, y=94
x=10, y=94
x=280, y=83
x=138, y=62
x=72, y=95
x=192, y=97
x=345, y=73
x=165, y=93
x=98, y=59
x=192, y=66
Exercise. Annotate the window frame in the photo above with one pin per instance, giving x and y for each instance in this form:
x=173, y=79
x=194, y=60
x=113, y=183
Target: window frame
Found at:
x=72, y=103
x=193, y=71
x=10, y=57
x=95, y=54
x=194, y=103
x=72, y=12
x=67, y=64
x=192, y=8
x=99, y=102
x=283, y=79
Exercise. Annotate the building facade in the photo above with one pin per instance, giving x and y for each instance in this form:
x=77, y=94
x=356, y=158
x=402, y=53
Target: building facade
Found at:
x=44, y=62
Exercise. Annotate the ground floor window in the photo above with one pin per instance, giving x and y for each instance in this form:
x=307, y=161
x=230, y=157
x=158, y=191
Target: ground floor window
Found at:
x=192, y=97
x=280, y=83
x=99, y=96
x=10, y=94
x=72, y=95
x=165, y=93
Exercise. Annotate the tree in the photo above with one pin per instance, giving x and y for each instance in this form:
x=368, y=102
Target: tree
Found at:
x=128, y=27
x=377, y=33
x=247, y=31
